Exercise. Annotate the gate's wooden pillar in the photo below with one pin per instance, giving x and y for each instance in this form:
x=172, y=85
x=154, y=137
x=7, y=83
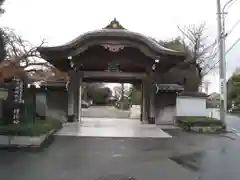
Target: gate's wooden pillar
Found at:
x=73, y=96
x=152, y=103
x=78, y=99
x=145, y=101
x=142, y=115
x=70, y=111
x=152, y=97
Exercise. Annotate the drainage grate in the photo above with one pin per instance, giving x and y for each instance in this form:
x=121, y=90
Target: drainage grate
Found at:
x=115, y=177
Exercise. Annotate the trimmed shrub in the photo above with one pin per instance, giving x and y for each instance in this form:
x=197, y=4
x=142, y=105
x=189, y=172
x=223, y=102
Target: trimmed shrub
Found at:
x=36, y=128
x=188, y=122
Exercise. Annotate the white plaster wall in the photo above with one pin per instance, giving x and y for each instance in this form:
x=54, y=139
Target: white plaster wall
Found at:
x=213, y=112
x=166, y=115
x=191, y=106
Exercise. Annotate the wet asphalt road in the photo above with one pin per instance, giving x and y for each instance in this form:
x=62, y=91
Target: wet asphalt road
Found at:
x=185, y=156
x=233, y=123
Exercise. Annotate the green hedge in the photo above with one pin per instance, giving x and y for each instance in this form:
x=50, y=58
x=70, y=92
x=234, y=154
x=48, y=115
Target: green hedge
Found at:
x=199, y=121
x=37, y=128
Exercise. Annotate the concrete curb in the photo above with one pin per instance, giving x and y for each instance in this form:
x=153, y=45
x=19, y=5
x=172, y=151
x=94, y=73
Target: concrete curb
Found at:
x=24, y=141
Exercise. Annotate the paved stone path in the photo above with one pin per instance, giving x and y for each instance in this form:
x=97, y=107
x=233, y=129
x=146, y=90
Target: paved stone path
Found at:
x=112, y=127
x=104, y=112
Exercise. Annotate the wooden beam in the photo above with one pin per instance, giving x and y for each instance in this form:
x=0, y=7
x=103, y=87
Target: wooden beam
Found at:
x=112, y=75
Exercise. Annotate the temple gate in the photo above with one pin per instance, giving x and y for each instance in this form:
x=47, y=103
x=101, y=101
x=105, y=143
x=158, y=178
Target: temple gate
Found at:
x=115, y=54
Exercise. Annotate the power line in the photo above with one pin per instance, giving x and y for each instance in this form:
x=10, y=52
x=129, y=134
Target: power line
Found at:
x=229, y=49
x=232, y=46
x=234, y=26
x=227, y=34
x=230, y=4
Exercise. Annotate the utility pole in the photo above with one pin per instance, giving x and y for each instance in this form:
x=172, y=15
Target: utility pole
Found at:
x=222, y=69
x=224, y=35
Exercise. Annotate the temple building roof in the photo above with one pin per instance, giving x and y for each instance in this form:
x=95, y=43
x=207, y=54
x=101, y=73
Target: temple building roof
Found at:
x=193, y=94
x=112, y=33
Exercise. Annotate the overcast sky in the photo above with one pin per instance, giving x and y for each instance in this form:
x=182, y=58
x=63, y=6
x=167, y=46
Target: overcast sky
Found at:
x=59, y=21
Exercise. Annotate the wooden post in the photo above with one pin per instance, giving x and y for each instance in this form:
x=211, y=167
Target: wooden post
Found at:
x=152, y=112
x=145, y=102
x=70, y=89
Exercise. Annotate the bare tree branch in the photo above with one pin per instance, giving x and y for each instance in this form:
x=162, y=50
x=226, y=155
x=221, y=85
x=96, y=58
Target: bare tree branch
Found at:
x=23, y=54
x=1, y=9
x=200, y=52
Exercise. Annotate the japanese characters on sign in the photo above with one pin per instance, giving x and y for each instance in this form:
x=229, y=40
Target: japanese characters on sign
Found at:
x=222, y=89
x=17, y=99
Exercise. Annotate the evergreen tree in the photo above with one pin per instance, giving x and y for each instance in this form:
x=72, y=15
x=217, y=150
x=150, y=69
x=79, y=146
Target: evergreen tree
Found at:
x=2, y=39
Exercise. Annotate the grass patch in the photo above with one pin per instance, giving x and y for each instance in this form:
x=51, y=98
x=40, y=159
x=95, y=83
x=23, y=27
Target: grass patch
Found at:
x=199, y=121
x=37, y=128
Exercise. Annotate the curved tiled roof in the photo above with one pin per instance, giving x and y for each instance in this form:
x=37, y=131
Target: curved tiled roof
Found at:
x=110, y=33
x=194, y=94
